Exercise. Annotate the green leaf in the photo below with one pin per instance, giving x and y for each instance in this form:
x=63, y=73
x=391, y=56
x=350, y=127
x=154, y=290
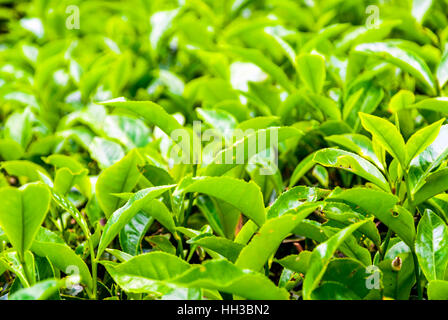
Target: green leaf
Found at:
x=431, y=246
x=439, y=104
x=387, y=134
x=321, y=257
x=312, y=71
x=438, y=290
x=224, y=276
x=223, y=246
x=48, y=244
x=296, y=262
x=118, y=178
x=290, y=201
x=301, y=169
x=123, y=215
x=256, y=57
x=357, y=143
x=383, y=206
x=105, y=152
x=132, y=234
x=435, y=183
x=150, y=111
x=398, y=283
x=442, y=68
x=428, y=160
x=420, y=140
x=353, y=163
x=403, y=58
x=248, y=199
x=268, y=238
x=22, y=212
x=348, y=275
x=40, y=291
x=249, y=145
x=147, y=272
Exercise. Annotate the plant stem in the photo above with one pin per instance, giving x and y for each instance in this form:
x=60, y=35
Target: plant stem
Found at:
x=94, y=269
x=190, y=198
x=386, y=244
x=417, y=276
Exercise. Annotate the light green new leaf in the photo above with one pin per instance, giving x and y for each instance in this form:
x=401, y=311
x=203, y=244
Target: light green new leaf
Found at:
x=248, y=197
x=22, y=212
x=403, y=58
x=249, y=145
x=431, y=246
x=297, y=262
x=435, y=183
x=118, y=178
x=439, y=104
x=420, y=140
x=357, y=143
x=147, y=272
x=256, y=57
x=387, y=134
x=442, y=68
x=150, y=111
x=321, y=257
x=428, y=160
x=123, y=215
x=48, y=244
x=301, y=169
x=312, y=71
x=292, y=200
x=353, y=163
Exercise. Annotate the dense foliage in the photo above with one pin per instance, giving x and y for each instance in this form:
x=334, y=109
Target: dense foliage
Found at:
x=351, y=202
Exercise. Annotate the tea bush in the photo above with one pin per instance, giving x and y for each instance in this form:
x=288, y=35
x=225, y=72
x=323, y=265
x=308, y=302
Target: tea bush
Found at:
x=200, y=149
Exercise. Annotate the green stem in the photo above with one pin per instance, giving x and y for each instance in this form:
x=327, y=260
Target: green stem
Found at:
x=386, y=244
x=190, y=198
x=180, y=247
x=417, y=276
x=94, y=269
